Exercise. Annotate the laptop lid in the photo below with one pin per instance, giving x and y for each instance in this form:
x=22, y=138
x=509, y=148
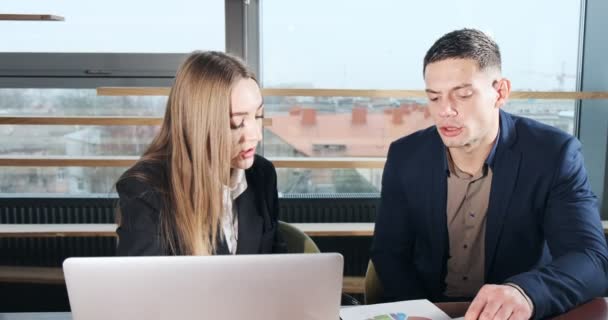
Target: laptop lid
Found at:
x=271, y=287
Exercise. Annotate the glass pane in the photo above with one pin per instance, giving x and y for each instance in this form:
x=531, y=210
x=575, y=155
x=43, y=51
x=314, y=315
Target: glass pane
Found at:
x=53, y=180
x=557, y=113
x=380, y=44
x=75, y=140
x=362, y=127
x=178, y=26
x=339, y=126
x=298, y=181
x=77, y=102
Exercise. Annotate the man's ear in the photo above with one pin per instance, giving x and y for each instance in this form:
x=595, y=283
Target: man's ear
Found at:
x=503, y=88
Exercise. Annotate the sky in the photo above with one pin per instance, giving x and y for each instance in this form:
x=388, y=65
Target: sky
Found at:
x=348, y=44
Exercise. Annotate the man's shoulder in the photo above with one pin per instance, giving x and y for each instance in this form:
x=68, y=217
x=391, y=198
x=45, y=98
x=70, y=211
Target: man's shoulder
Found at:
x=540, y=138
x=419, y=138
x=418, y=145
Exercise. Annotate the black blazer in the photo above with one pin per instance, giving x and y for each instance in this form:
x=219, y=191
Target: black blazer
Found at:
x=140, y=205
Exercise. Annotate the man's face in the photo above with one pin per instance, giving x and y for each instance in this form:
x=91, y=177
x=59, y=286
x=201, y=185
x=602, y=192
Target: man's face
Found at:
x=463, y=101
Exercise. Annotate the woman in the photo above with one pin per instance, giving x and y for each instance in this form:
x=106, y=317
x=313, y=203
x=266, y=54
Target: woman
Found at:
x=200, y=189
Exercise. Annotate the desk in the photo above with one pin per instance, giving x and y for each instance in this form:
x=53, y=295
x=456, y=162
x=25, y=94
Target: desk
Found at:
x=596, y=309
x=334, y=229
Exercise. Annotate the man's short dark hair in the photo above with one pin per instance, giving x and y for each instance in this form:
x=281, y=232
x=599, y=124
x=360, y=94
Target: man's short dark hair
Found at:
x=465, y=44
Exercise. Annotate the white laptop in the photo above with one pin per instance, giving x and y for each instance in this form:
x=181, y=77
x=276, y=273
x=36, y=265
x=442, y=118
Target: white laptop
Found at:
x=269, y=287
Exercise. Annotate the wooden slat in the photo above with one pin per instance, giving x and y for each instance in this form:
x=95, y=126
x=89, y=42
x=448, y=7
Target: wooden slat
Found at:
x=67, y=161
x=279, y=92
x=30, y=17
x=54, y=275
x=91, y=121
x=348, y=229
x=23, y=230
x=336, y=229
x=26, y=274
x=328, y=163
x=353, y=285
x=126, y=161
x=133, y=91
x=556, y=95
x=552, y=95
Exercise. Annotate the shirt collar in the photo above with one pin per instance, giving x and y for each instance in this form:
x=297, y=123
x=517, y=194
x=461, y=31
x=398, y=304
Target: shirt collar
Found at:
x=238, y=183
x=489, y=160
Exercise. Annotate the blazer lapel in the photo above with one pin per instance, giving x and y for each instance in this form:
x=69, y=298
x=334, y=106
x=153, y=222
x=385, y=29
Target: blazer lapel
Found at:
x=250, y=223
x=505, y=172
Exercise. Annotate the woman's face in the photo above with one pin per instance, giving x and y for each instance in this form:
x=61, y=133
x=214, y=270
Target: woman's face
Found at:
x=246, y=118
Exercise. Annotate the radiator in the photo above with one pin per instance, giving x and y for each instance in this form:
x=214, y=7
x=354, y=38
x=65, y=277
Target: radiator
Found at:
x=52, y=251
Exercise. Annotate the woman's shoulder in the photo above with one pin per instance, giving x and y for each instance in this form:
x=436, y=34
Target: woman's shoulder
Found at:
x=261, y=167
x=144, y=179
x=262, y=163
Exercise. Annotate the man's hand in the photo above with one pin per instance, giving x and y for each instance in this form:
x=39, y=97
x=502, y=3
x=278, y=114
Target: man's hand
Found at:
x=499, y=302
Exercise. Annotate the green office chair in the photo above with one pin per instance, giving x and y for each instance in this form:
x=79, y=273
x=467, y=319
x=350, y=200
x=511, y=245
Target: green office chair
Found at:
x=373, y=287
x=296, y=240
x=299, y=242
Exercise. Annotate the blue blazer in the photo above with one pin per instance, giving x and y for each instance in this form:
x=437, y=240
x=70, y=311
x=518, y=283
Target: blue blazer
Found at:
x=543, y=230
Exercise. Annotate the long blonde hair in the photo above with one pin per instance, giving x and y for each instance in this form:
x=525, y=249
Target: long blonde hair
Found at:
x=194, y=142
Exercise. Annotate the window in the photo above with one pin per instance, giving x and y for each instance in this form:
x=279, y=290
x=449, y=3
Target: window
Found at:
x=380, y=45
x=51, y=69
x=115, y=39
x=178, y=26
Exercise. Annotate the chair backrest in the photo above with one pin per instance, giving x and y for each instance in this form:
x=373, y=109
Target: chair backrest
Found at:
x=297, y=241
x=373, y=287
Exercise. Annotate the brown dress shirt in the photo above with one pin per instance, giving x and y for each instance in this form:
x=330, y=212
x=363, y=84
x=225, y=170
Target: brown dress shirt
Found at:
x=467, y=204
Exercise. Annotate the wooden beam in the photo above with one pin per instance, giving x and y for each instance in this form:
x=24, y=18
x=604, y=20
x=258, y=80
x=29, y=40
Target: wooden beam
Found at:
x=67, y=161
x=544, y=95
x=27, y=274
x=126, y=161
x=133, y=91
x=24, y=230
x=337, y=229
x=556, y=95
x=54, y=275
x=353, y=285
x=30, y=17
x=91, y=121
x=329, y=163
x=343, y=93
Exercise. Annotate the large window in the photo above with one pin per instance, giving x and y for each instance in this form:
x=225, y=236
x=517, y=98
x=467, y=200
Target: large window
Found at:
x=51, y=69
x=380, y=45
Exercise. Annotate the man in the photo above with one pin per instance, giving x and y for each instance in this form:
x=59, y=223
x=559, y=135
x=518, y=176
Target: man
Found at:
x=486, y=206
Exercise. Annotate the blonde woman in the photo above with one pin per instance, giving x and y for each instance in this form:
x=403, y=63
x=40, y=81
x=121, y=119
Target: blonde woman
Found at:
x=200, y=189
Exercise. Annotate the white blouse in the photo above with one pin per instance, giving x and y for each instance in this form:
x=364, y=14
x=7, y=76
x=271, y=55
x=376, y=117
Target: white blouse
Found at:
x=230, y=221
